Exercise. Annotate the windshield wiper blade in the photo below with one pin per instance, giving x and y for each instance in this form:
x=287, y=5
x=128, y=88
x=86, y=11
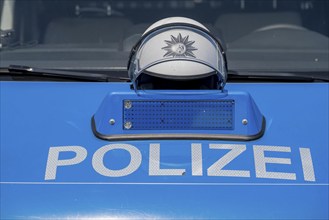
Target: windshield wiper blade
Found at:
x=26, y=70
x=279, y=76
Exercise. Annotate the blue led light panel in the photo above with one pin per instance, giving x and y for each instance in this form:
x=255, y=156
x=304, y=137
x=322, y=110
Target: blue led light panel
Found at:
x=178, y=115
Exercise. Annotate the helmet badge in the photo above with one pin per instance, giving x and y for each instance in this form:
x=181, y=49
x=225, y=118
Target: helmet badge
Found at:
x=179, y=47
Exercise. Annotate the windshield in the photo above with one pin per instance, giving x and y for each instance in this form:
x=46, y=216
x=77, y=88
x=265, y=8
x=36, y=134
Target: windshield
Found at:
x=270, y=36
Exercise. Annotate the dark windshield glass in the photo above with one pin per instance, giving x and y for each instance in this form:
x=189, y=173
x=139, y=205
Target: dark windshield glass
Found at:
x=271, y=35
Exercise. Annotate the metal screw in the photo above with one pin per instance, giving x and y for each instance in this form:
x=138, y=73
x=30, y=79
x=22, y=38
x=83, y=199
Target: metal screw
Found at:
x=244, y=121
x=127, y=104
x=112, y=121
x=128, y=125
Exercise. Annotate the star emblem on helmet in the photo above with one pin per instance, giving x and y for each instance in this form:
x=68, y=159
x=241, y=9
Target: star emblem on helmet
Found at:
x=179, y=47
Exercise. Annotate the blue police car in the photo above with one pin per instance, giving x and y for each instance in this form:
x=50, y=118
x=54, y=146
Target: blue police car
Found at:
x=189, y=109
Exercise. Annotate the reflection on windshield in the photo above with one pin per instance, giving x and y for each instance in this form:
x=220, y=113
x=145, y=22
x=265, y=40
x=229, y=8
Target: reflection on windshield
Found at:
x=51, y=33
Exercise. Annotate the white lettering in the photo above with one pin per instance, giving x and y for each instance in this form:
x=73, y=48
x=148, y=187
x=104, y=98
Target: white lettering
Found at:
x=57, y=158
x=154, y=164
x=53, y=159
x=135, y=160
x=261, y=161
x=307, y=164
x=196, y=150
x=217, y=168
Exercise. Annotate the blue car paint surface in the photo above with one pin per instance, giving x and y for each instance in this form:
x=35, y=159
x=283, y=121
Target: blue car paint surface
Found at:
x=37, y=117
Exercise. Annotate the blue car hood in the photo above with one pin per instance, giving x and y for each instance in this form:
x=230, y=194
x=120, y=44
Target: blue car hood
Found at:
x=53, y=166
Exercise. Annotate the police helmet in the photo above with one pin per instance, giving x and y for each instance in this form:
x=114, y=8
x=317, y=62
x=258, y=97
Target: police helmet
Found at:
x=178, y=49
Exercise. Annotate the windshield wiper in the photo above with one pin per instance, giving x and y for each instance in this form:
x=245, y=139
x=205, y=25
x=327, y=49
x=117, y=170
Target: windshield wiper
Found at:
x=279, y=76
x=16, y=70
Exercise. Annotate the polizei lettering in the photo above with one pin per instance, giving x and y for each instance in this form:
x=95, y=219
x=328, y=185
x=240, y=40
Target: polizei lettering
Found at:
x=266, y=162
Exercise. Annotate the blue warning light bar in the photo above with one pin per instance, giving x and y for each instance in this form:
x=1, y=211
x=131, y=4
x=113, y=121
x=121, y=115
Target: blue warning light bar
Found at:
x=178, y=114
x=174, y=115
